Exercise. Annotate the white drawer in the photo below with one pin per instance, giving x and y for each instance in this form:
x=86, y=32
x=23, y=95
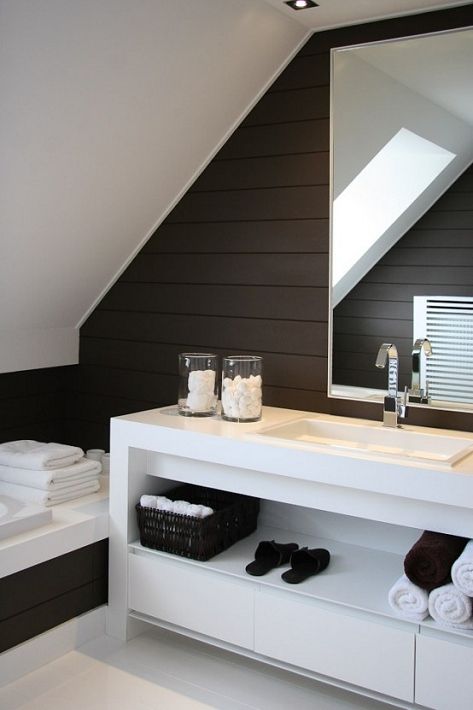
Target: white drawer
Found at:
x=444, y=678
x=373, y=655
x=197, y=599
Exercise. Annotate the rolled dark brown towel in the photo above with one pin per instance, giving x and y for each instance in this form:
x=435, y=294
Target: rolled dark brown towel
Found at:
x=430, y=559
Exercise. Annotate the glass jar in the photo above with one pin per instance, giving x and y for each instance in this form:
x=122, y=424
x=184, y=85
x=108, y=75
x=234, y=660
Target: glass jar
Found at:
x=197, y=384
x=242, y=387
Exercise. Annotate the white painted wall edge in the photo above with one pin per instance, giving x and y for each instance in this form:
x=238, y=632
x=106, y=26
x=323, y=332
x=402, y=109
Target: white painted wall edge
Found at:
x=194, y=177
x=38, y=348
x=52, y=644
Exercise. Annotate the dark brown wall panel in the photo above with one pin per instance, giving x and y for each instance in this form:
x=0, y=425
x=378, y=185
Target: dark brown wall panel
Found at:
x=270, y=171
x=45, y=595
x=33, y=404
x=241, y=263
x=244, y=237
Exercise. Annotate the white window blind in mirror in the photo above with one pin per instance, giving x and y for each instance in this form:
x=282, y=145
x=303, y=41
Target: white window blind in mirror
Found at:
x=447, y=321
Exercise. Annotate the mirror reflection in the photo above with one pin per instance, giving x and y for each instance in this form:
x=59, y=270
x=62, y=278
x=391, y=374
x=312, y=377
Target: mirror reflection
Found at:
x=402, y=218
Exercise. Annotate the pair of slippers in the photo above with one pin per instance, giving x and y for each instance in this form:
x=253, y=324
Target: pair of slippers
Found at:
x=304, y=563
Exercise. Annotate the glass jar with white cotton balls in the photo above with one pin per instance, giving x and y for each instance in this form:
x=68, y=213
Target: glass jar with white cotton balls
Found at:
x=198, y=383
x=242, y=387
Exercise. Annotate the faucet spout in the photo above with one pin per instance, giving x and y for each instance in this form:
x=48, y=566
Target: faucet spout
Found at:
x=393, y=407
x=388, y=351
x=416, y=392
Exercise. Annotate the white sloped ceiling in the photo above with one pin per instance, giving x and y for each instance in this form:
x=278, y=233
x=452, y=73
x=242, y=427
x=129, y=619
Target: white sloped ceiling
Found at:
x=109, y=110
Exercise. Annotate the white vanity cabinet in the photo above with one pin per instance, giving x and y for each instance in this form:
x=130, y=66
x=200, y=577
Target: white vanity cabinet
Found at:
x=192, y=598
x=337, y=626
x=336, y=643
x=443, y=672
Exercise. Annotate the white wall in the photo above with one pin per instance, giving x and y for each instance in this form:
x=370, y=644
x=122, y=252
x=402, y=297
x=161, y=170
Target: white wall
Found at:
x=110, y=109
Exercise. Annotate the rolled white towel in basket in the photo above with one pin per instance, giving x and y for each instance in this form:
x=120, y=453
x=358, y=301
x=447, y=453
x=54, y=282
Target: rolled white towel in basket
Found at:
x=408, y=600
x=37, y=455
x=182, y=507
x=462, y=571
x=450, y=607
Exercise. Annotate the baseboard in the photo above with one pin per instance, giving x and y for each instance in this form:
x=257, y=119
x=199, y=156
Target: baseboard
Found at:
x=52, y=644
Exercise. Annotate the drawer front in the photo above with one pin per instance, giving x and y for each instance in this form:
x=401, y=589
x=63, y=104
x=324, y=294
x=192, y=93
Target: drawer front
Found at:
x=444, y=677
x=199, y=600
x=365, y=653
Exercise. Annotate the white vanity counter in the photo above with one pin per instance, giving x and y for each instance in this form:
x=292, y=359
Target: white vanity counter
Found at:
x=366, y=509
x=410, y=492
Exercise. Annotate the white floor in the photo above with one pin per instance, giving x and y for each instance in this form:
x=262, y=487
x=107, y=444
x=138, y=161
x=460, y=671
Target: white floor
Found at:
x=162, y=671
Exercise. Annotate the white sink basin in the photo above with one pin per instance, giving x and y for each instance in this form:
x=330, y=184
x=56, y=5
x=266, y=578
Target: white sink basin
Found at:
x=373, y=438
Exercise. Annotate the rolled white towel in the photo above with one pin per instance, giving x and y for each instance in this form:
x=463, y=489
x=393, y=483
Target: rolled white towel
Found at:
x=205, y=511
x=147, y=501
x=450, y=607
x=54, y=479
x=462, y=571
x=409, y=600
x=182, y=507
x=37, y=455
x=194, y=510
x=163, y=503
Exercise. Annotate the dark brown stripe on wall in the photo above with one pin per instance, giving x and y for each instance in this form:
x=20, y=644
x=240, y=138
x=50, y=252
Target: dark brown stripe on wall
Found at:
x=45, y=595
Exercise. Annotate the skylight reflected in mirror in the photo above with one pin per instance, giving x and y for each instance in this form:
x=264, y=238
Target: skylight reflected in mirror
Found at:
x=377, y=197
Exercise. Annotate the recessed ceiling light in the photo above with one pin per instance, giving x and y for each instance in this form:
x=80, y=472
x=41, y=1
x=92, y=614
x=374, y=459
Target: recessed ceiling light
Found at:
x=301, y=4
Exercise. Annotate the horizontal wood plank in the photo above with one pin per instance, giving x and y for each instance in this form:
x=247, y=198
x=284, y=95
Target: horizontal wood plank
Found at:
x=293, y=303
x=302, y=104
x=303, y=202
x=266, y=171
x=281, y=336
x=304, y=71
x=244, y=269
x=244, y=237
x=278, y=139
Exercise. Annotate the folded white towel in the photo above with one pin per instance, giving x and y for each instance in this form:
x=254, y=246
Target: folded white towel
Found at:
x=462, y=571
x=35, y=495
x=409, y=600
x=38, y=455
x=83, y=470
x=182, y=507
x=450, y=607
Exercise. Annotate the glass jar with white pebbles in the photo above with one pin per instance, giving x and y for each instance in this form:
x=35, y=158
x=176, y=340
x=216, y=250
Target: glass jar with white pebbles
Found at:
x=242, y=387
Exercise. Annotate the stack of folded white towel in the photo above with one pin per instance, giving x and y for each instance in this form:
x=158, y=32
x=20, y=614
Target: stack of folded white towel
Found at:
x=182, y=507
x=450, y=605
x=46, y=473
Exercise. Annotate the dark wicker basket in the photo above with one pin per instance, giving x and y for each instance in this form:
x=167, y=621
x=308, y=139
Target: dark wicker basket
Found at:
x=234, y=518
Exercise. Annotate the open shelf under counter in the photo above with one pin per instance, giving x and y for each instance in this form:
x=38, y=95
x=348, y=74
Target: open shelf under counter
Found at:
x=357, y=577
x=324, y=625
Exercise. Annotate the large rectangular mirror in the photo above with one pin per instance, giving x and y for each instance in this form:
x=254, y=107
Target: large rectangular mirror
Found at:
x=402, y=218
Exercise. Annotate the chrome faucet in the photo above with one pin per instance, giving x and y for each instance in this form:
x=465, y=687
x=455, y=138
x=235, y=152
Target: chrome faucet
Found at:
x=393, y=407
x=416, y=392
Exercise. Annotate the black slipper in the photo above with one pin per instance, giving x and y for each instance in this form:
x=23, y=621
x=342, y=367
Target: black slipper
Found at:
x=305, y=563
x=270, y=554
